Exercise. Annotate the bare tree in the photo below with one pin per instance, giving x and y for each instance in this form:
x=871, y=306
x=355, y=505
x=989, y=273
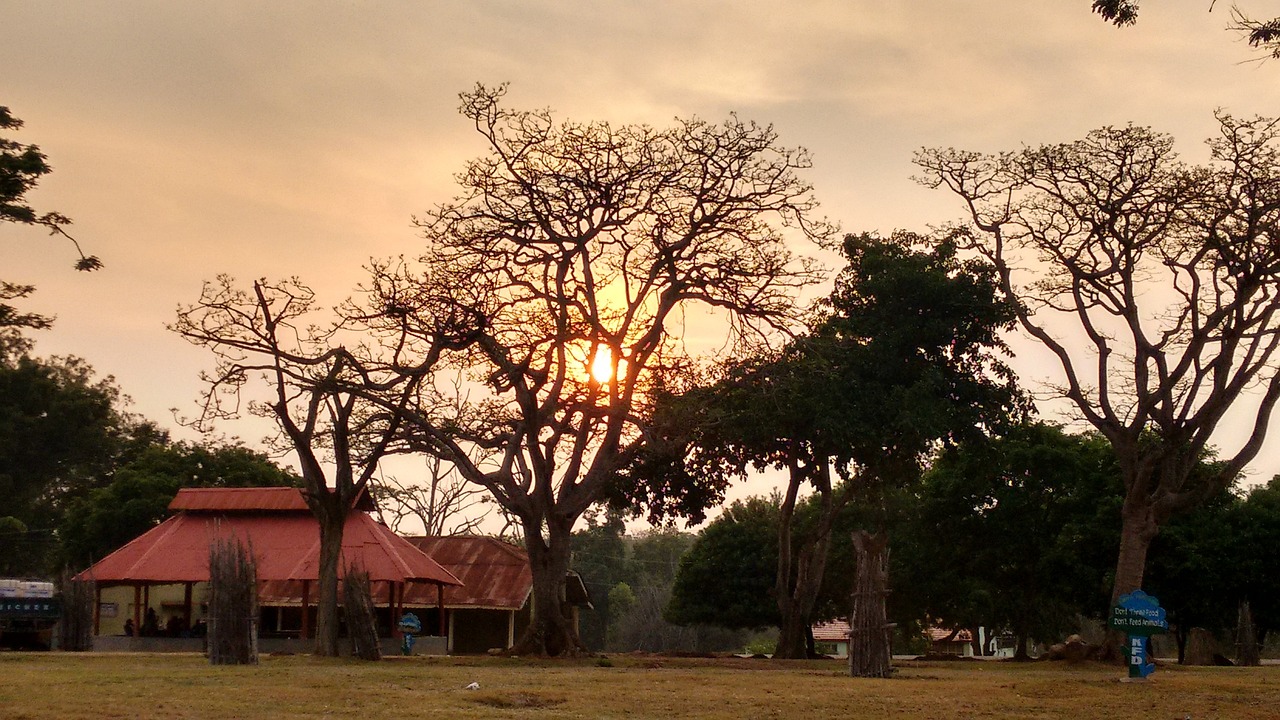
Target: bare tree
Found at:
x=1156, y=286
x=559, y=283
x=444, y=503
x=583, y=250
x=316, y=390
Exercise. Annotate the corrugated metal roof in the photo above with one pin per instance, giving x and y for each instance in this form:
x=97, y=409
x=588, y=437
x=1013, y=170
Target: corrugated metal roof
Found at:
x=251, y=499
x=494, y=574
x=937, y=634
x=286, y=546
x=234, y=499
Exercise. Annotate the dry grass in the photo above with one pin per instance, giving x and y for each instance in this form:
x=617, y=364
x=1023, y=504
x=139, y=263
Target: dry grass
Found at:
x=53, y=685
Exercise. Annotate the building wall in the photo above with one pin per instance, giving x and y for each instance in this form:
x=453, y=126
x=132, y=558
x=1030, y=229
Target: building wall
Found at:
x=167, y=600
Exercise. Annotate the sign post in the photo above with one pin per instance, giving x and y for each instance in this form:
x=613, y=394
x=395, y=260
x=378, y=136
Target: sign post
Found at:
x=1140, y=616
x=409, y=625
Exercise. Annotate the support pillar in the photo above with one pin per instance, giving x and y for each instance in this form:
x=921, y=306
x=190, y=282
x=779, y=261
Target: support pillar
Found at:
x=137, y=610
x=305, y=633
x=440, y=607
x=186, y=605
x=97, y=609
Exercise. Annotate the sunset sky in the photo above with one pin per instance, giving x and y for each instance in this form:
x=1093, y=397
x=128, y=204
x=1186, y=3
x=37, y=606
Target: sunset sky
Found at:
x=299, y=138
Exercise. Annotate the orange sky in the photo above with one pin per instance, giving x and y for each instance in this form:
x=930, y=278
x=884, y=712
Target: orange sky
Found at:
x=283, y=138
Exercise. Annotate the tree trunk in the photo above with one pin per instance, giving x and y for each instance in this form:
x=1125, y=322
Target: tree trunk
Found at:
x=1021, y=654
x=1138, y=528
x=551, y=631
x=796, y=598
x=870, y=644
x=332, y=521
x=75, y=629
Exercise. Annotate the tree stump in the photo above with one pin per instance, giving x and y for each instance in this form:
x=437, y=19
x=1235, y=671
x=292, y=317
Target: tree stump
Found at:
x=75, y=628
x=1201, y=647
x=1247, y=652
x=870, y=643
x=362, y=626
x=233, y=604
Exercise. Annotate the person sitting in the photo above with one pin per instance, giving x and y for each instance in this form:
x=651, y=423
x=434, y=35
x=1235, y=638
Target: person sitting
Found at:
x=151, y=624
x=128, y=628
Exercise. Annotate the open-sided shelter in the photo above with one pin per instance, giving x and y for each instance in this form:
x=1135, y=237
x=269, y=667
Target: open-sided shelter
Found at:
x=284, y=538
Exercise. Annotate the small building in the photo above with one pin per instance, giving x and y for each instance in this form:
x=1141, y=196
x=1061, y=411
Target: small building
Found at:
x=950, y=642
x=490, y=609
x=832, y=638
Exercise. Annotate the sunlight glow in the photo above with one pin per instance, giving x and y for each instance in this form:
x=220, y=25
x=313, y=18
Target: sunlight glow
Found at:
x=602, y=365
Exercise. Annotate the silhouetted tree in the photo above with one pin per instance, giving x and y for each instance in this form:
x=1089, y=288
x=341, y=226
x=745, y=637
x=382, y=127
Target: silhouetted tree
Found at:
x=1168, y=275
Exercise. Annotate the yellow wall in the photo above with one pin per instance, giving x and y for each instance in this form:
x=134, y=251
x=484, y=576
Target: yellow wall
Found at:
x=167, y=601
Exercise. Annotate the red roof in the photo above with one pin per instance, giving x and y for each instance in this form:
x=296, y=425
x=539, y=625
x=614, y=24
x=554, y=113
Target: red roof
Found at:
x=834, y=631
x=494, y=574
x=284, y=541
x=937, y=634
x=250, y=499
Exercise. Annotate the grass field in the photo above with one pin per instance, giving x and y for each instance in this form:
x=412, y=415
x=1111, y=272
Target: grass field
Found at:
x=55, y=685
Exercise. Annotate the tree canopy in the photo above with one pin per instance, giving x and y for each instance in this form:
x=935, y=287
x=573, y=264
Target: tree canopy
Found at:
x=21, y=167
x=1012, y=533
x=1261, y=34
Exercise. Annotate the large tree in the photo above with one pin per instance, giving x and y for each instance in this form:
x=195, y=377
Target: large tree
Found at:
x=563, y=277
x=1156, y=287
x=315, y=396
x=904, y=353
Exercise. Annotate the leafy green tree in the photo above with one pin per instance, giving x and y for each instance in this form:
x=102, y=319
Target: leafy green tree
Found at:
x=903, y=354
x=727, y=577
x=62, y=433
x=1204, y=563
x=21, y=167
x=1255, y=558
x=1012, y=532
x=140, y=491
x=600, y=558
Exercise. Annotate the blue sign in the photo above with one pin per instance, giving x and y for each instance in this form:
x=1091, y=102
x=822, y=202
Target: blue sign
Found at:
x=409, y=624
x=1140, y=616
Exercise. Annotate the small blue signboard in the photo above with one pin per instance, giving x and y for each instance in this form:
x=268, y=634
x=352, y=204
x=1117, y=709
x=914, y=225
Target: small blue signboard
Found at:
x=409, y=625
x=1140, y=616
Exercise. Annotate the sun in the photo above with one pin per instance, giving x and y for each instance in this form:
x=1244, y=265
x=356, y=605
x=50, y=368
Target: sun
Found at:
x=602, y=365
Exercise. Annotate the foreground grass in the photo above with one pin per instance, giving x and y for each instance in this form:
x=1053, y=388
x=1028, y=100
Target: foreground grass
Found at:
x=55, y=685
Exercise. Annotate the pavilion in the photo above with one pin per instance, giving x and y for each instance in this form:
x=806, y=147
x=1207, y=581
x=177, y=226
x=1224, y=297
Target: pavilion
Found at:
x=284, y=538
